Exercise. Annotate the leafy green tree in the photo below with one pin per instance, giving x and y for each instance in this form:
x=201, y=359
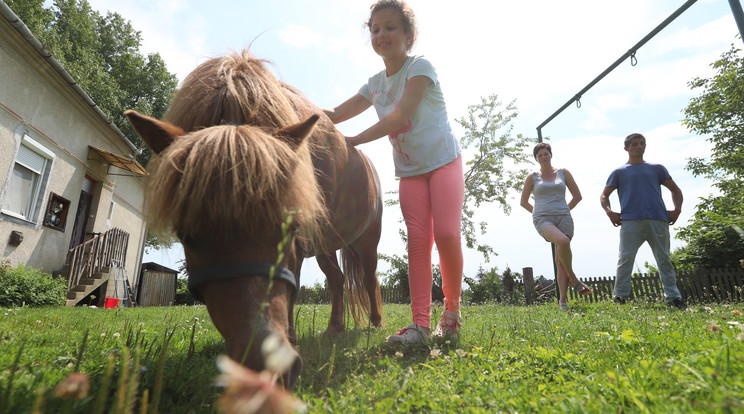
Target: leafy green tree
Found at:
x=102, y=54
x=494, y=171
x=157, y=241
x=715, y=237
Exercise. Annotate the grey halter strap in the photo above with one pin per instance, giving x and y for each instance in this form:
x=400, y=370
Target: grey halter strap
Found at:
x=235, y=269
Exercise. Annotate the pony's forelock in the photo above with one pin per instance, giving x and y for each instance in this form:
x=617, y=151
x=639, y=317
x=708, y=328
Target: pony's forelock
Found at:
x=233, y=183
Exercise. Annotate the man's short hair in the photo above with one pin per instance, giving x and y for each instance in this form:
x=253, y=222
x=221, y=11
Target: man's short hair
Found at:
x=631, y=137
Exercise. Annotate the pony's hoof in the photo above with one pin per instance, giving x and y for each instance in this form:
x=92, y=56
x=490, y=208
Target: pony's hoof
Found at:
x=376, y=321
x=332, y=331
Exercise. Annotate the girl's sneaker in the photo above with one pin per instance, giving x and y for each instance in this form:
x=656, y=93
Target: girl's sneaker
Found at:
x=448, y=324
x=411, y=334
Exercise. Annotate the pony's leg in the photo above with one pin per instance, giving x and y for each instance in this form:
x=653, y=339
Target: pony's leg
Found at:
x=295, y=267
x=328, y=263
x=366, y=249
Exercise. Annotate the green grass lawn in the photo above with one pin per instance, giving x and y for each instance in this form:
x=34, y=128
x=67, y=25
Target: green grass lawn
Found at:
x=640, y=357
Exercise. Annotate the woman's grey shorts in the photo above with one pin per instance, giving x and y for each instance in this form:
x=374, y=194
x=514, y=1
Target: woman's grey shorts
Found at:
x=564, y=222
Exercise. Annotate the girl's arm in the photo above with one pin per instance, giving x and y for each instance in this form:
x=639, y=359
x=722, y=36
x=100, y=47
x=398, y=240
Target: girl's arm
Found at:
x=349, y=109
x=394, y=121
x=526, y=191
x=573, y=189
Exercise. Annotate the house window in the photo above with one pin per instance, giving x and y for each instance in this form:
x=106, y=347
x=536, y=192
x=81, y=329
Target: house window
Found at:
x=30, y=174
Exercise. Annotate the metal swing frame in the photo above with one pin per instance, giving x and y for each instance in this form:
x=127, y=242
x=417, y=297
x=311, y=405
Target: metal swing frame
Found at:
x=736, y=10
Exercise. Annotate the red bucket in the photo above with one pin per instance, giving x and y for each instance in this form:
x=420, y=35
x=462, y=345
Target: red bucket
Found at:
x=111, y=303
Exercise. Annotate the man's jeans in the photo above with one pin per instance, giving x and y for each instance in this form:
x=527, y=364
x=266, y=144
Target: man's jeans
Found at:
x=632, y=235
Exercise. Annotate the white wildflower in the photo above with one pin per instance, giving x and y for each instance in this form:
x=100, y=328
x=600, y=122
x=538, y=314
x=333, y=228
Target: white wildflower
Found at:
x=247, y=391
x=278, y=355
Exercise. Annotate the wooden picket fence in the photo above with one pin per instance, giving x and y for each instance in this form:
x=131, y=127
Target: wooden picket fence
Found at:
x=717, y=285
x=704, y=285
x=311, y=296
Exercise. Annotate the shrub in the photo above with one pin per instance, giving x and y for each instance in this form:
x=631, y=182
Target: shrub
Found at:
x=485, y=287
x=26, y=286
x=315, y=294
x=183, y=294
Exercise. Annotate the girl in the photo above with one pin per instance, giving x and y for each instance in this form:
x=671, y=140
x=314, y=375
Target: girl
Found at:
x=412, y=113
x=552, y=217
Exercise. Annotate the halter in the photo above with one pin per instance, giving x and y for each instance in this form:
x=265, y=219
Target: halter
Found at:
x=235, y=269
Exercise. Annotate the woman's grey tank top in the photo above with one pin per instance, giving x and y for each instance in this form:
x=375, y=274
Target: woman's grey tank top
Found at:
x=550, y=196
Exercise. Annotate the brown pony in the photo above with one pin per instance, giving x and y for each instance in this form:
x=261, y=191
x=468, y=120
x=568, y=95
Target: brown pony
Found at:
x=247, y=165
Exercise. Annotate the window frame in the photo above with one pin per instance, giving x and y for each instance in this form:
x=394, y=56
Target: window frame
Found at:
x=41, y=183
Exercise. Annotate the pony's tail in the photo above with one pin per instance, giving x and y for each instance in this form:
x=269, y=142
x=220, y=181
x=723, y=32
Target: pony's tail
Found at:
x=355, y=285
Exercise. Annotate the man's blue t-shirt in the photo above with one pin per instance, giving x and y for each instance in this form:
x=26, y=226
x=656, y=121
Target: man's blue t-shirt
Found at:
x=639, y=189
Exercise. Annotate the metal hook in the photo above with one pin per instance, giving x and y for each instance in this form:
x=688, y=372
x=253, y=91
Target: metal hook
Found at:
x=633, y=60
x=578, y=101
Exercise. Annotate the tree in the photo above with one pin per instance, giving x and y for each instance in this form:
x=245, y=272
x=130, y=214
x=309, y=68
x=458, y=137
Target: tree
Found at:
x=492, y=174
x=715, y=237
x=102, y=55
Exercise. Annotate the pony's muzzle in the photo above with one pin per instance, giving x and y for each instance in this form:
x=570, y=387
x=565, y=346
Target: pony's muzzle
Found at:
x=289, y=379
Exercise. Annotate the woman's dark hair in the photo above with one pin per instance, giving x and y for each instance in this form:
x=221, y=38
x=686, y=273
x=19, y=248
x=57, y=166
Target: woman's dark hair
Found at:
x=406, y=16
x=540, y=146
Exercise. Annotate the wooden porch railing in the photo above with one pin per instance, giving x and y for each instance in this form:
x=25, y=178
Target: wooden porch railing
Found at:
x=95, y=254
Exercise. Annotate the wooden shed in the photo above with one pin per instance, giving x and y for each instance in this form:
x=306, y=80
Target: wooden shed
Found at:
x=157, y=285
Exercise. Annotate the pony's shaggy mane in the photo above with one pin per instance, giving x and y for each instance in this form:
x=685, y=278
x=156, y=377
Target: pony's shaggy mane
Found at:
x=233, y=183
x=238, y=88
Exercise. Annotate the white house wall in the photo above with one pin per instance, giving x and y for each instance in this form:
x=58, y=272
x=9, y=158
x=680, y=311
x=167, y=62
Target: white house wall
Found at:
x=36, y=100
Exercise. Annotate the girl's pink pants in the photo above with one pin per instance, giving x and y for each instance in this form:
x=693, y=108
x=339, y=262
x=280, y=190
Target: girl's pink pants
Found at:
x=432, y=208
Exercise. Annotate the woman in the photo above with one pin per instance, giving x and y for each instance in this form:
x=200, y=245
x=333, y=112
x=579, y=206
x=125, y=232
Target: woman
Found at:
x=551, y=216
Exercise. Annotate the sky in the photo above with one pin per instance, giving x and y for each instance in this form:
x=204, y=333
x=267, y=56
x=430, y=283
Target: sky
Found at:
x=539, y=53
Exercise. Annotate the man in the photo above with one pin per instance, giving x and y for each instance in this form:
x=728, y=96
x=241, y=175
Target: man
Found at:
x=643, y=218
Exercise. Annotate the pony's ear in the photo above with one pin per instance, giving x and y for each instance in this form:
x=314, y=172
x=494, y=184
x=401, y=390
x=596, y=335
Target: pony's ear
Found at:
x=294, y=134
x=157, y=134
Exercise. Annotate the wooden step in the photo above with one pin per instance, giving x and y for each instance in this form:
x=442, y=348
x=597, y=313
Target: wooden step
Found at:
x=85, y=287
